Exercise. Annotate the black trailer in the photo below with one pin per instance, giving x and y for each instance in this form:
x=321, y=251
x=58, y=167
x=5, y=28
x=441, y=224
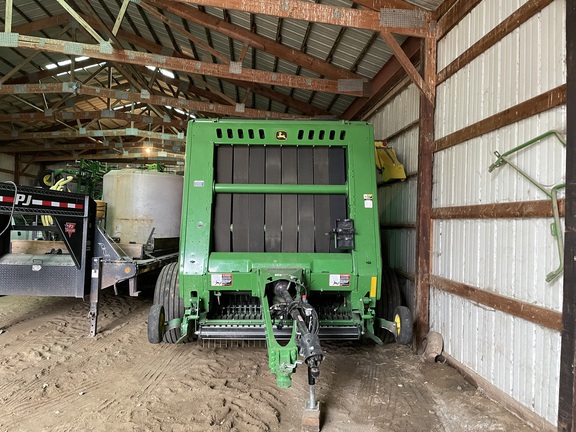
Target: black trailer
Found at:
x=89, y=262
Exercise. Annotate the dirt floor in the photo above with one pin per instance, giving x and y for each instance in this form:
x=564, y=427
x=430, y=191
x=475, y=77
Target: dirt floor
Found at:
x=53, y=377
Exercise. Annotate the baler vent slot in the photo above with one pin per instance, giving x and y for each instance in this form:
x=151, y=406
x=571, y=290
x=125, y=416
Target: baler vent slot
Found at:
x=321, y=135
x=306, y=135
x=253, y=222
x=240, y=133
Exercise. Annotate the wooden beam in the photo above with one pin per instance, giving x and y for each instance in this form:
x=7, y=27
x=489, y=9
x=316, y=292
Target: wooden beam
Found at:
x=444, y=7
x=39, y=117
x=388, y=4
x=423, y=219
x=386, y=78
x=17, y=168
x=194, y=67
x=22, y=174
x=102, y=92
x=408, y=66
x=567, y=391
x=531, y=107
x=81, y=21
x=190, y=36
x=95, y=133
x=322, y=13
x=519, y=17
x=535, y=314
x=42, y=24
x=38, y=76
x=120, y=17
x=454, y=15
x=518, y=209
x=259, y=42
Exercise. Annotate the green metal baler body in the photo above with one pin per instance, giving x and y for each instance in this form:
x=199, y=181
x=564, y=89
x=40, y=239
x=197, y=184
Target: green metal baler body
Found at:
x=259, y=199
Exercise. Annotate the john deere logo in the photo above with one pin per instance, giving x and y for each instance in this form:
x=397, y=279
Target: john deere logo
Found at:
x=281, y=135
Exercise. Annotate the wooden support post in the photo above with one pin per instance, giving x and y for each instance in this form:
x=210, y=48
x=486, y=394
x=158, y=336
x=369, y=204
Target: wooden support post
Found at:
x=567, y=393
x=424, y=205
x=17, y=168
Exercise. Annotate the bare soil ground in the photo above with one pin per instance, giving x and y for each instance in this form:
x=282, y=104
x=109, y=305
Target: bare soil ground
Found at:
x=53, y=377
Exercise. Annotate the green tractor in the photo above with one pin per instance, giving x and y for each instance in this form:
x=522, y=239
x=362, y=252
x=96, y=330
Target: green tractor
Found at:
x=279, y=242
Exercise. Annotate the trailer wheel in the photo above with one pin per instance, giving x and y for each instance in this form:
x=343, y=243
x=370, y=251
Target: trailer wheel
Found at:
x=156, y=323
x=403, y=320
x=167, y=294
x=390, y=299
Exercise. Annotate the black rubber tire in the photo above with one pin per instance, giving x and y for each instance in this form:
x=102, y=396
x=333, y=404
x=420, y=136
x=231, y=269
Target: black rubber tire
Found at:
x=156, y=323
x=45, y=178
x=403, y=319
x=167, y=294
x=390, y=299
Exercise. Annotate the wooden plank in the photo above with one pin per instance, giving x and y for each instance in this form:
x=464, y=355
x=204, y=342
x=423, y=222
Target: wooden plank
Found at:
x=240, y=202
x=289, y=202
x=223, y=202
x=36, y=247
x=535, y=314
x=529, y=108
x=454, y=15
x=408, y=66
x=256, y=201
x=321, y=202
x=305, y=202
x=567, y=392
x=423, y=219
x=444, y=7
x=515, y=20
x=386, y=78
x=273, y=202
x=519, y=209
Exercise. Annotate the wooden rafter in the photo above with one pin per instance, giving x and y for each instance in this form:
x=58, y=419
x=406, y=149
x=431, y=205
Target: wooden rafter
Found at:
x=320, y=13
x=73, y=88
x=174, y=63
x=90, y=115
x=259, y=42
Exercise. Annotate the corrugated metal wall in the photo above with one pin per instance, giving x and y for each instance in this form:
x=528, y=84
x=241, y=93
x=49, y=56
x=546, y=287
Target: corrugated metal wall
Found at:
x=397, y=201
x=510, y=257
x=7, y=163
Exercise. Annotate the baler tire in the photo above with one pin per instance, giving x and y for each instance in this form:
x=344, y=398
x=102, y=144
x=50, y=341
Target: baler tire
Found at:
x=156, y=323
x=390, y=299
x=167, y=294
x=403, y=320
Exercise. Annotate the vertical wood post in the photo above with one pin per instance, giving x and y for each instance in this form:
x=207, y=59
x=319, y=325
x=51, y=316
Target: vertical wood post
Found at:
x=567, y=393
x=17, y=168
x=424, y=203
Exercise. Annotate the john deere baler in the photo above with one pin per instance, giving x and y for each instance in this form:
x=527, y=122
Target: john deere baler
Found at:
x=279, y=241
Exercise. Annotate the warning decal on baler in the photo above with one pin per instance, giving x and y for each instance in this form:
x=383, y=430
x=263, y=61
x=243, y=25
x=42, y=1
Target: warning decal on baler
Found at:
x=339, y=280
x=368, y=203
x=224, y=279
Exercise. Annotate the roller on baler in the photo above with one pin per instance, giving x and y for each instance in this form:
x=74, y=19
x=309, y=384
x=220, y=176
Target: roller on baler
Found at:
x=279, y=242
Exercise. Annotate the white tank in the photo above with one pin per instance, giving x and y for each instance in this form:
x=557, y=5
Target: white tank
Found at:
x=139, y=200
